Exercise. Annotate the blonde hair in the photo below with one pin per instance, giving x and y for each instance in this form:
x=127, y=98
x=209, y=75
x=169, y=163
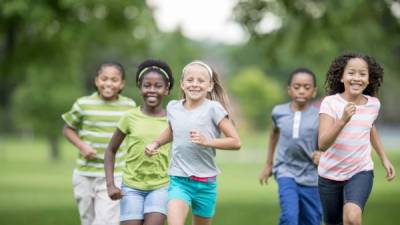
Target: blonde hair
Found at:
x=217, y=93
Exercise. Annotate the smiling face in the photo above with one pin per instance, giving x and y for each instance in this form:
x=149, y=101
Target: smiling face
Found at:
x=301, y=88
x=153, y=88
x=196, y=83
x=355, y=77
x=109, y=83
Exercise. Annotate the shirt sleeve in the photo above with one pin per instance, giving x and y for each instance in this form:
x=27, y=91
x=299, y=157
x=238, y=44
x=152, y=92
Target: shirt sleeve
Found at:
x=218, y=113
x=73, y=117
x=327, y=107
x=377, y=106
x=273, y=116
x=123, y=123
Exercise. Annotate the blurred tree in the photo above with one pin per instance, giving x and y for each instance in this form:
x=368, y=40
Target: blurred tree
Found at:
x=256, y=93
x=310, y=33
x=46, y=46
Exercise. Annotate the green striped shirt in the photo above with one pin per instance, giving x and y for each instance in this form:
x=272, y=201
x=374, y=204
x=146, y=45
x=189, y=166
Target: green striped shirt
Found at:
x=95, y=120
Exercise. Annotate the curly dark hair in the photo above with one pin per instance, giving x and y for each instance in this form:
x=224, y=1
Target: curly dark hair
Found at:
x=333, y=84
x=155, y=66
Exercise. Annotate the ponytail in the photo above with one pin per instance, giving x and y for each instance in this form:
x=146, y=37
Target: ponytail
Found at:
x=218, y=93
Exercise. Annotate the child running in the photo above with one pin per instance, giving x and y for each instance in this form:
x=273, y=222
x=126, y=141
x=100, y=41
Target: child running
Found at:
x=195, y=124
x=145, y=179
x=346, y=134
x=89, y=126
x=294, y=136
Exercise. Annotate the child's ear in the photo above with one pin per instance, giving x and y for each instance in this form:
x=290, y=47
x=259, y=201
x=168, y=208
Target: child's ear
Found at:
x=122, y=84
x=182, y=86
x=314, y=93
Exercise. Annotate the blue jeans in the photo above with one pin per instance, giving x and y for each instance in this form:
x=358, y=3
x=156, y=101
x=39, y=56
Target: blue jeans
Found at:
x=334, y=194
x=300, y=205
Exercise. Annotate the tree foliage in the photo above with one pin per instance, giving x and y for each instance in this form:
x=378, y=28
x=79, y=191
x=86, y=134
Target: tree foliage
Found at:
x=256, y=93
x=310, y=33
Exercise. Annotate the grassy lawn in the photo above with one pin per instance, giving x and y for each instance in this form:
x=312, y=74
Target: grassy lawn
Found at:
x=35, y=191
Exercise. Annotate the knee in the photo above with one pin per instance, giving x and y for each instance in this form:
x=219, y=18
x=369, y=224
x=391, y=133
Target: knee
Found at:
x=352, y=214
x=352, y=219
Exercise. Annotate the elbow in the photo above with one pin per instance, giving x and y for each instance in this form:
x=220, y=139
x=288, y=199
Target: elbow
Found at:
x=237, y=145
x=322, y=146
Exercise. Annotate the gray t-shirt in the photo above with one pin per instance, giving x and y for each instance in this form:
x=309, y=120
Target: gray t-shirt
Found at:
x=189, y=159
x=297, y=141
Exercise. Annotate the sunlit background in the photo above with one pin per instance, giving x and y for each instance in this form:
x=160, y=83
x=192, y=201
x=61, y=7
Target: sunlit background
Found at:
x=49, y=51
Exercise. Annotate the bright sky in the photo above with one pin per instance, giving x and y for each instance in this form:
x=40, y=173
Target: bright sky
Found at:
x=199, y=19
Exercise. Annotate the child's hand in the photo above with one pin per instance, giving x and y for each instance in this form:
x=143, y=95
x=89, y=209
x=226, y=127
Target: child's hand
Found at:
x=198, y=138
x=390, y=172
x=151, y=149
x=114, y=193
x=316, y=156
x=265, y=174
x=88, y=152
x=348, y=111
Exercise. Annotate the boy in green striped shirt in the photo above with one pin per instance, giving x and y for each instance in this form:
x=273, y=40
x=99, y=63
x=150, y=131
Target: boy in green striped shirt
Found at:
x=89, y=126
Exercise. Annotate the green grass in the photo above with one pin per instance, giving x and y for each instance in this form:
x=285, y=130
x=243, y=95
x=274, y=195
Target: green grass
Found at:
x=35, y=191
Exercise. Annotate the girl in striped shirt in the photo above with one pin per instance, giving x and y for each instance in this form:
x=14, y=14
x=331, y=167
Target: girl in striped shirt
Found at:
x=347, y=134
x=89, y=126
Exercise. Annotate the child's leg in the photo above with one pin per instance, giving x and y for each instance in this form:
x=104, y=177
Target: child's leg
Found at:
x=197, y=220
x=289, y=201
x=131, y=206
x=310, y=206
x=84, y=196
x=106, y=210
x=155, y=206
x=331, y=194
x=179, y=200
x=177, y=212
x=154, y=218
x=204, y=202
x=356, y=193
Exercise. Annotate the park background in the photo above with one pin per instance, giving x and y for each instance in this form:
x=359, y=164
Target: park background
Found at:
x=49, y=50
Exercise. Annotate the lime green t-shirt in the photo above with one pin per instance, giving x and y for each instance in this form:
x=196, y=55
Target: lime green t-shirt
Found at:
x=142, y=171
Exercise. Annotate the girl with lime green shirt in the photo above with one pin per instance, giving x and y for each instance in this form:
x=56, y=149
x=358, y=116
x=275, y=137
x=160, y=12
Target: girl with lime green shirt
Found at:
x=143, y=192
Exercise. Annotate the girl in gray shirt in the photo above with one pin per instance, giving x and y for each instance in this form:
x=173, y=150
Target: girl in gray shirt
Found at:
x=196, y=122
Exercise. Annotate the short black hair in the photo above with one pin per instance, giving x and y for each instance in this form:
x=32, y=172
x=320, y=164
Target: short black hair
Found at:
x=116, y=65
x=334, y=75
x=302, y=70
x=150, y=63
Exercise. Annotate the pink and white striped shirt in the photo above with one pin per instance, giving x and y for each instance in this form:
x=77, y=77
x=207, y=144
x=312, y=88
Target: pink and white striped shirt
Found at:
x=351, y=151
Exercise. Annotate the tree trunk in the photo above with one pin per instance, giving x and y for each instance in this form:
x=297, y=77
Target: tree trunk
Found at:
x=54, y=148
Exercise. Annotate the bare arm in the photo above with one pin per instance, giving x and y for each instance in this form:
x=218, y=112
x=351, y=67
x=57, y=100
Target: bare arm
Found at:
x=164, y=138
x=377, y=145
x=266, y=172
x=109, y=161
x=72, y=136
x=230, y=141
x=329, y=129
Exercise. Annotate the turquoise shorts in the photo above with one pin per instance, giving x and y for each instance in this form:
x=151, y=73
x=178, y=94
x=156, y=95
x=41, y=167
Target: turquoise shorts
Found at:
x=200, y=195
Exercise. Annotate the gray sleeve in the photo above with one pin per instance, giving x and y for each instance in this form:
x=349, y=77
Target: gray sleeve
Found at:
x=169, y=106
x=273, y=116
x=218, y=113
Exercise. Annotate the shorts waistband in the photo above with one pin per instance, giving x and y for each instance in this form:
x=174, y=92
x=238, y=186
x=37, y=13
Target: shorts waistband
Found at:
x=203, y=179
